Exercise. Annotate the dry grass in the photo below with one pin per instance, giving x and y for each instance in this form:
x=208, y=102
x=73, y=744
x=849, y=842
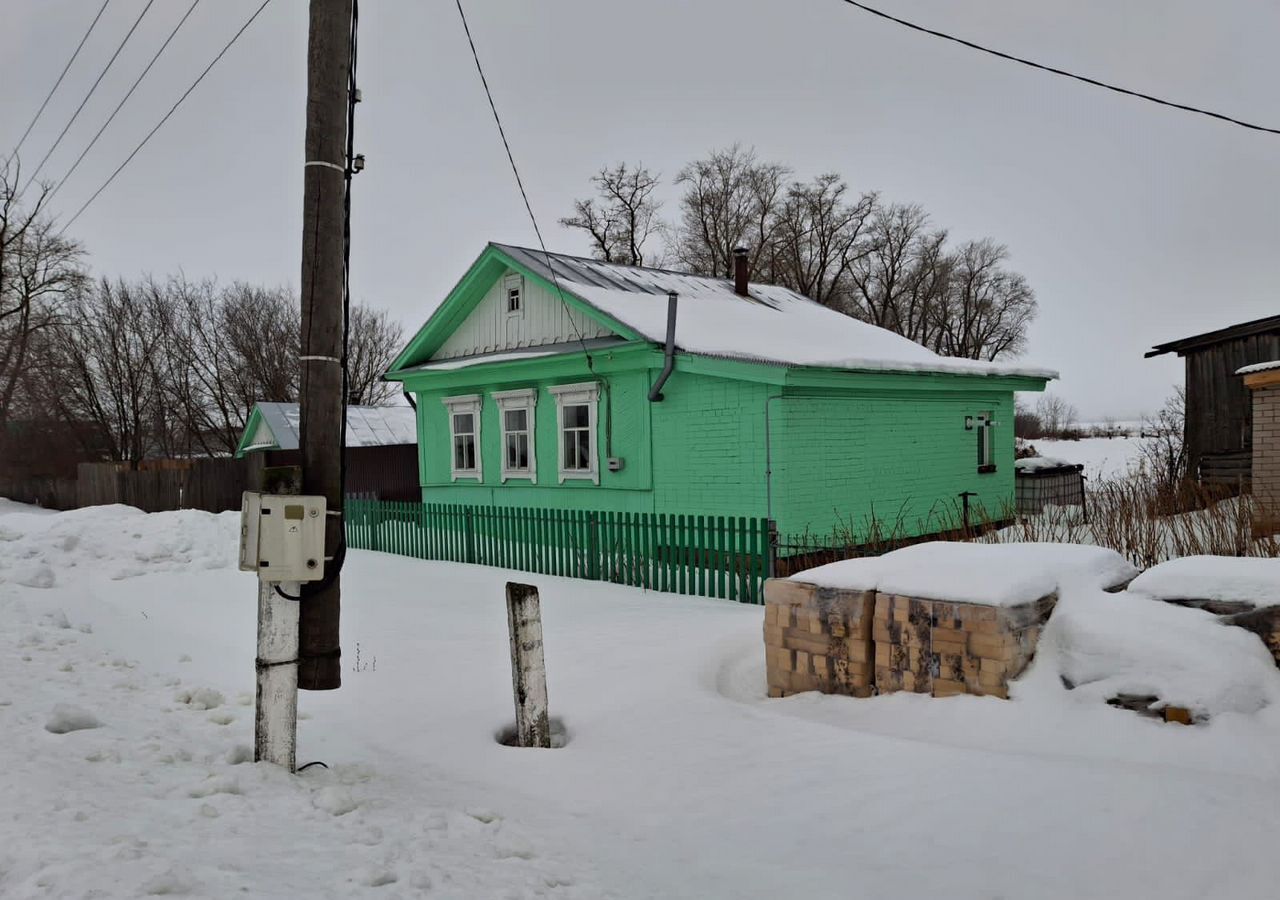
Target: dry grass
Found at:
x=1135, y=516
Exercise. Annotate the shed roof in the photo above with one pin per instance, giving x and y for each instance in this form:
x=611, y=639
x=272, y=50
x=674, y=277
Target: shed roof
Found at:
x=275, y=426
x=771, y=325
x=1258, y=367
x=1266, y=325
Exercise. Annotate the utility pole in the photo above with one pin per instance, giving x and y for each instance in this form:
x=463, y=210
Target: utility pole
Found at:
x=323, y=405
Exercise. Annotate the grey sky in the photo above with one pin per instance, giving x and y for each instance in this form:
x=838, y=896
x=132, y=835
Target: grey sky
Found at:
x=1135, y=224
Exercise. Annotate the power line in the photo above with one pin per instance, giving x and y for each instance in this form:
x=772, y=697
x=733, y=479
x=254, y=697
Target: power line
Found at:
x=124, y=100
x=502, y=132
x=1063, y=72
x=96, y=82
x=61, y=75
x=235, y=37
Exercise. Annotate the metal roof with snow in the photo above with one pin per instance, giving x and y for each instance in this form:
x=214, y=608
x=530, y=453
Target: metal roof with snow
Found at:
x=770, y=325
x=275, y=426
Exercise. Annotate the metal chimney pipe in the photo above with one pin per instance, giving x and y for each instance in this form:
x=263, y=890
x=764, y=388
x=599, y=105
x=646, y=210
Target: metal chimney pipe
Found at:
x=740, y=271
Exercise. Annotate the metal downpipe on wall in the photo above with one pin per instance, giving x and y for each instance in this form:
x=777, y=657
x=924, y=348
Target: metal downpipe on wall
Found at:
x=655, y=392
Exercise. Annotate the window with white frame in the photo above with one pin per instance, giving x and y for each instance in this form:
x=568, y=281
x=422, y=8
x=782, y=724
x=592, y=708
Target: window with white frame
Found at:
x=464, y=433
x=514, y=286
x=986, y=442
x=576, y=425
x=516, y=412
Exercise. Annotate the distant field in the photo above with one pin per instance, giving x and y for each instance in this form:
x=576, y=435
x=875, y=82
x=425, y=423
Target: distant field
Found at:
x=1101, y=457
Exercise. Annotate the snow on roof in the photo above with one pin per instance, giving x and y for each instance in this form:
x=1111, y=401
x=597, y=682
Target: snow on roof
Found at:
x=1259, y=367
x=367, y=426
x=1039, y=463
x=992, y=574
x=771, y=325
x=1223, y=578
x=463, y=362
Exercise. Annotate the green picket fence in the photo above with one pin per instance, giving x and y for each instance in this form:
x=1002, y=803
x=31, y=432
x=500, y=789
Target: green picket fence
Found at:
x=709, y=556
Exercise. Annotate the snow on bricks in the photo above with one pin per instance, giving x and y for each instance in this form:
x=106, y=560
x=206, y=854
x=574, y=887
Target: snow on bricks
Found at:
x=937, y=618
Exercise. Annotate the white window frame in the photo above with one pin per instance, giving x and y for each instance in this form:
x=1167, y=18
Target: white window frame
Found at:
x=508, y=401
x=986, y=423
x=513, y=282
x=463, y=404
x=583, y=394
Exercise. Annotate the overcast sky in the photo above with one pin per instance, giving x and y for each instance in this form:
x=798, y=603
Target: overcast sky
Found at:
x=1135, y=224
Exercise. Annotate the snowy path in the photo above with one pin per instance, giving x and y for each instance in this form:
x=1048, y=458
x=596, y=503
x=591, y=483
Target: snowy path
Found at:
x=680, y=779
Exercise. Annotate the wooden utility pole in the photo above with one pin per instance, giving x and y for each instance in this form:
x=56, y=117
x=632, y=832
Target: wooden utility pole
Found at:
x=323, y=405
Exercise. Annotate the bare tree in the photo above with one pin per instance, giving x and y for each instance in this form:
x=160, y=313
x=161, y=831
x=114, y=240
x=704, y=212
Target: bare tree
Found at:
x=374, y=341
x=1165, y=452
x=988, y=308
x=1056, y=415
x=730, y=199
x=883, y=273
x=39, y=269
x=106, y=372
x=817, y=239
x=623, y=215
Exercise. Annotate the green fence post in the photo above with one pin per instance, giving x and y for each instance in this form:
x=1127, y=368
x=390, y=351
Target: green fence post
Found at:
x=593, y=547
x=469, y=534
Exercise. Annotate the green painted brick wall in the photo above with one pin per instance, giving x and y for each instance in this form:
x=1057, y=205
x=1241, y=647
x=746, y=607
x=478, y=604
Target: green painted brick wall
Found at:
x=708, y=446
x=902, y=460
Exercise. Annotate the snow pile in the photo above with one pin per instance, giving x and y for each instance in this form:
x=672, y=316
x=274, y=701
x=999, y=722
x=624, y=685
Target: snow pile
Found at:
x=66, y=718
x=38, y=550
x=994, y=574
x=1250, y=580
x=1104, y=645
x=1037, y=463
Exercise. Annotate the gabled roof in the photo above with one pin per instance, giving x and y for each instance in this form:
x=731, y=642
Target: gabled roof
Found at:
x=275, y=426
x=1267, y=325
x=772, y=325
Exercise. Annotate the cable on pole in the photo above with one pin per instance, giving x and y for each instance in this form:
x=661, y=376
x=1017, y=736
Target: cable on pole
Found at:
x=97, y=81
x=221, y=53
x=61, y=75
x=61, y=181
x=1062, y=72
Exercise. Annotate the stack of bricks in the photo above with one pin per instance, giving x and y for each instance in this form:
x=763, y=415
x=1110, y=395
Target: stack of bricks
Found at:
x=817, y=639
x=860, y=643
x=943, y=648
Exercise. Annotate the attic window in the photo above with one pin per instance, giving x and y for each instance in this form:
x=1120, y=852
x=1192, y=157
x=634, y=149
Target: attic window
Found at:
x=514, y=285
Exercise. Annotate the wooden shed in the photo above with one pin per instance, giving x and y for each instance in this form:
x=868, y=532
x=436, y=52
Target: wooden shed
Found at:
x=1219, y=422
x=382, y=447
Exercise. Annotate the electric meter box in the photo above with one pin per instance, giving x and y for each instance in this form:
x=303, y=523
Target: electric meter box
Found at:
x=282, y=536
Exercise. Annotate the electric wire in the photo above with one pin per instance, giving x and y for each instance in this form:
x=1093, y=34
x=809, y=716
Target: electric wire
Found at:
x=61, y=75
x=515, y=170
x=61, y=181
x=167, y=115
x=97, y=81
x=1062, y=72
x=555, y=280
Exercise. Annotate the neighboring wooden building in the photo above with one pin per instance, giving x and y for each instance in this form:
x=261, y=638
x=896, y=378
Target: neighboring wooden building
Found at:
x=1219, y=419
x=547, y=381
x=382, y=447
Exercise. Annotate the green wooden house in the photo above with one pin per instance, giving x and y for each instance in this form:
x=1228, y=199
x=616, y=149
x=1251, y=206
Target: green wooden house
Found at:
x=546, y=380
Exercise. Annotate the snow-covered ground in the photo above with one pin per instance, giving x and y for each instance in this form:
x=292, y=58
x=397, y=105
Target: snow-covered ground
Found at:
x=680, y=779
x=1101, y=457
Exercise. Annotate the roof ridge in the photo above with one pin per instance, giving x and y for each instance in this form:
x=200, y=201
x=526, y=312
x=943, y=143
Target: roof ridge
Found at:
x=600, y=262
